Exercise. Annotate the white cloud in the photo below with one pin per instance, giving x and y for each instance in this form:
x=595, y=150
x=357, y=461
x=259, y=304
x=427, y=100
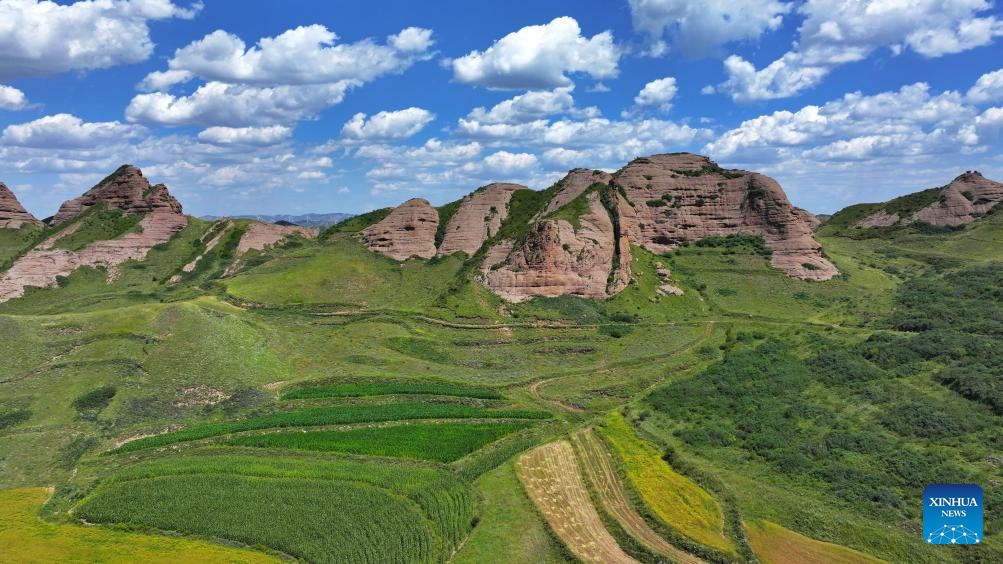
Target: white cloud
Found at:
x=43, y=37
x=11, y=98
x=909, y=122
x=657, y=94
x=838, y=32
x=985, y=129
x=311, y=175
x=531, y=106
x=68, y=131
x=399, y=124
x=540, y=57
x=304, y=55
x=988, y=88
x=505, y=162
x=343, y=190
x=228, y=105
x=259, y=136
x=698, y=28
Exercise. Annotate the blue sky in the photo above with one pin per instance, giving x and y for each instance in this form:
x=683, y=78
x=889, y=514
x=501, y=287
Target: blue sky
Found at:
x=302, y=106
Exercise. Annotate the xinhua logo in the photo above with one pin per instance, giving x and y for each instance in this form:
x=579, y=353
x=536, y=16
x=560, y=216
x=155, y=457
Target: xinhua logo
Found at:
x=952, y=514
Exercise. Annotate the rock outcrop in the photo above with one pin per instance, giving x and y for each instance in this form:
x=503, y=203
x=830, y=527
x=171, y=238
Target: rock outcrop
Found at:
x=409, y=231
x=42, y=266
x=478, y=218
x=590, y=261
x=259, y=236
x=685, y=197
x=579, y=241
x=967, y=198
x=12, y=213
x=811, y=220
x=125, y=190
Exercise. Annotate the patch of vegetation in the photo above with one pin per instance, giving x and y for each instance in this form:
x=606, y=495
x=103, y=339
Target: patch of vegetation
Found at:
x=446, y=213
x=361, y=389
x=99, y=224
x=356, y=223
x=95, y=400
x=673, y=498
x=442, y=442
x=573, y=211
x=754, y=243
x=13, y=417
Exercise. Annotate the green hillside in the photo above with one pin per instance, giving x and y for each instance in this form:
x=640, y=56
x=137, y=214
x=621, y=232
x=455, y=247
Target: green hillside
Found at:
x=323, y=387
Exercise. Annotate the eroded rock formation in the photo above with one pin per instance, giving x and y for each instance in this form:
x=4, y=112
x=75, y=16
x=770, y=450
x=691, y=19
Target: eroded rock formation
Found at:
x=967, y=198
x=409, y=231
x=478, y=218
x=12, y=213
x=127, y=190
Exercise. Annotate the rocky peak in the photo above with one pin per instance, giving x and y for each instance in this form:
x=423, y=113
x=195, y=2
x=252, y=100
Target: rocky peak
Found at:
x=125, y=189
x=409, y=230
x=12, y=213
x=479, y=216
x=573, y=185
x=965, y=199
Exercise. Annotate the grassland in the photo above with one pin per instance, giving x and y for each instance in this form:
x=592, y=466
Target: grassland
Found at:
x=439, y=442
x=674, y=499
x=26, y=538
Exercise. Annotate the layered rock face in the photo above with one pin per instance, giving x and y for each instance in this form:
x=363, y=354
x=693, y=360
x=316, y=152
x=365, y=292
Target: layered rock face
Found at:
x=124, y=190
x=12, y=213
x=259, y=235
x=967, y=198
x=591, y=261
x=685, y=197
x=656, y=202
x=409, y=231
x=129, y=192
x=479, y=216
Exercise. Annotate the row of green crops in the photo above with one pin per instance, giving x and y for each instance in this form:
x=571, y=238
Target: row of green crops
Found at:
x=391, y=388
x=336, y=415
x=443, y=442
x=144, y=493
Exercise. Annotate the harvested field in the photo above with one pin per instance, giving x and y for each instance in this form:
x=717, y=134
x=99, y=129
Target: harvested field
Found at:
x=598, y=467
x=551, y=477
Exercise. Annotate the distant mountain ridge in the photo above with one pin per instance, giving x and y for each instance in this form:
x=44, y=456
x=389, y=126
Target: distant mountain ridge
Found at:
x=311, y=220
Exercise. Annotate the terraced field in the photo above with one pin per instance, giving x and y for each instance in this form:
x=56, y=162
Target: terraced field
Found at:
x=599, y=468
x=674, y=499
x=551, y=476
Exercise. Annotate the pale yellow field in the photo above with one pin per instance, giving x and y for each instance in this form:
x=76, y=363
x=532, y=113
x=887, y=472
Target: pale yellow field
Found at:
x=774, y=544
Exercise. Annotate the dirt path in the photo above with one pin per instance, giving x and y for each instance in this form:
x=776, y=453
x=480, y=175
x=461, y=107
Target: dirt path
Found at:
x=534, y=390
x=551, y=477
x=598, y=466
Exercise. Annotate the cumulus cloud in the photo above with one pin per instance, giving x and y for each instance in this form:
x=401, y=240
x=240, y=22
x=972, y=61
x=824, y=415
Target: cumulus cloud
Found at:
x=68, y=131
x=699, y=28
x=229, y=105
x=657, y=94
x=506, y=162
x=280, y=80
x=838, y=32
x=43, y=37
x=908, y=122
x=259, y=136
x=540, y=57
x=988, y=88
x=11, y=98
x=304, y=55
x=530, y=106
x=400, y=124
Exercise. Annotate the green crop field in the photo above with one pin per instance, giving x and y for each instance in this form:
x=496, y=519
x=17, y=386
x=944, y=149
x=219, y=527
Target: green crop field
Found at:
x=333, y=416
x=440, y=442
x=391, y=388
